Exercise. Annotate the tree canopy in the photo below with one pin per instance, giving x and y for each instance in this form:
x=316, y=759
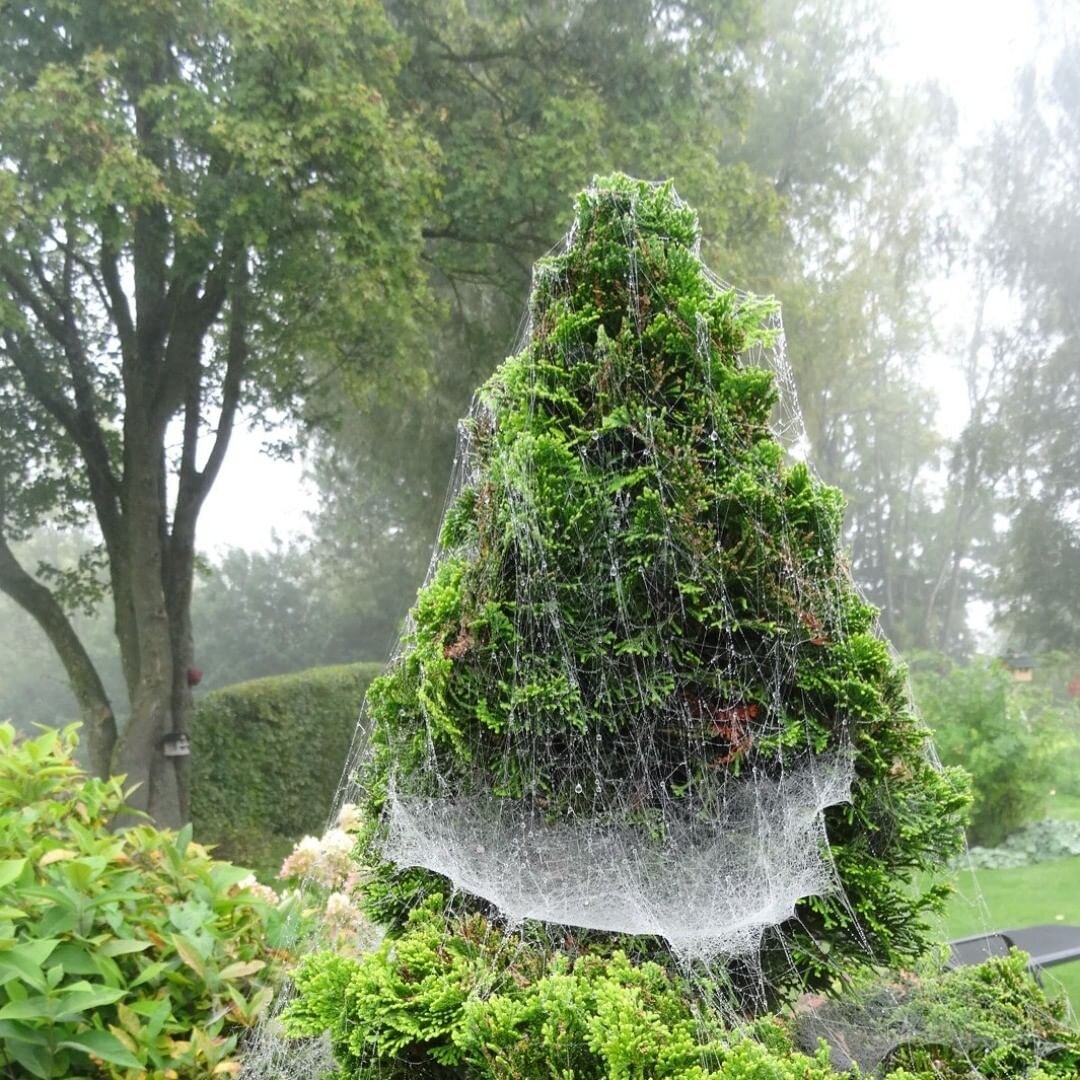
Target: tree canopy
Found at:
x=204, y=207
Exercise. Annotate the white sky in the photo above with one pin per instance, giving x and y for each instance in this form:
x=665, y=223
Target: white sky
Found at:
x=969, y=46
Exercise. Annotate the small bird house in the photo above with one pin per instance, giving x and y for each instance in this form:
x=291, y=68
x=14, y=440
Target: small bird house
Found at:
x=176, y=744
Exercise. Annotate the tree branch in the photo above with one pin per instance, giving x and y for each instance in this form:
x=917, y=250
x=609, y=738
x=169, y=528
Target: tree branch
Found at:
x=195, y=485
x=38, y=602
x=118, y=307
x=80, y=427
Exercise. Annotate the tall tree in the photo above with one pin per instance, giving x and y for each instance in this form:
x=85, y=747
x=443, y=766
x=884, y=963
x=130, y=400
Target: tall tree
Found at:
x=528, y=101
x=810, y=174
x=851, y=156
x=202, y=207
x=1032, y=173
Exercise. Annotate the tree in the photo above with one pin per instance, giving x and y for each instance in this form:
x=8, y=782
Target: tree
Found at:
x=641, y=671
x=527, y=101
x=278, y=611
x=810, y=174
x=853, y=157
x=1029, y=171
x=34, y=687
x=204, y=208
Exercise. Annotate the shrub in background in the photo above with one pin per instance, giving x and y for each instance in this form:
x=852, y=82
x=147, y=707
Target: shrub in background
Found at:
x=267, y=758
x=126, y=954
x=1006, y=737
x=990, y=1021
x=1037, y=842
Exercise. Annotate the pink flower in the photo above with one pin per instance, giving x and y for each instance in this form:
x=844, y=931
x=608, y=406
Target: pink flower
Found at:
x=301, y=860
x=260, y=892
x=334, y=861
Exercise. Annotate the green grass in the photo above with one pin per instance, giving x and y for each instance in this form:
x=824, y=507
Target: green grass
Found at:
x=1063, y=806
x=998, y=899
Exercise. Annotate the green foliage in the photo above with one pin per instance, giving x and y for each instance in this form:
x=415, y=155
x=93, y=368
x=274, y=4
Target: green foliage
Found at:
x=992, y=1021
x=1041, y=841
x=456, y=997
x=267, y=758
x=261, y=613
x=460, y=999
x=1003, y=736
x=122, y=954
x=528, y=99
x=606, y=418
x=205, y=210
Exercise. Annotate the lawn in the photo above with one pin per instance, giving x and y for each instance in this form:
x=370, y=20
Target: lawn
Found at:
x=998, y=899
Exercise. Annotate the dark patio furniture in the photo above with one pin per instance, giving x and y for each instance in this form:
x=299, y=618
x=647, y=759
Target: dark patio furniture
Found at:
x=1047, y=944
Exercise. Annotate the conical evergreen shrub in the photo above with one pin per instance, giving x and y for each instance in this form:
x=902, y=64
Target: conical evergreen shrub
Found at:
x=641, y=703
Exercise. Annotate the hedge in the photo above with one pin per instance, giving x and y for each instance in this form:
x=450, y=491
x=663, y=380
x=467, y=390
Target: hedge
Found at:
x=267, y=758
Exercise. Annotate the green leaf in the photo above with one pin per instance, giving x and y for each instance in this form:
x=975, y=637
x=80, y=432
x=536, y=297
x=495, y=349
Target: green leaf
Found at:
x=13, y=1029
x=82, y=997
x=102, y=1044
x=10, y=869
x=242, y=969
x=188, y=953
x=150, y=973
x=122, y=946
x=76, y=958
x=35, y=1059
x=183, y=839
x=35, y=1008
x=27, y=961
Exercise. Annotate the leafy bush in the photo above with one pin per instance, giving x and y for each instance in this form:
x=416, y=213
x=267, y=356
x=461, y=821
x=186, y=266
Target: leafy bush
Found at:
x=1041, y=841
x=267, y=758
x=455, y=998
x=990, y=1021
x=1002, y=736
x=459, y=1000
x=639, y=599
x=126, y=954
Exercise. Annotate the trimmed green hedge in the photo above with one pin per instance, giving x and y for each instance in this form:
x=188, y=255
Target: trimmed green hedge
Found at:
x=267, y=758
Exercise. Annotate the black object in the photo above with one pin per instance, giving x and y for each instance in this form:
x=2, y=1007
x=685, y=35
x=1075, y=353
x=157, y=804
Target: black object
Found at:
x=1046, y=945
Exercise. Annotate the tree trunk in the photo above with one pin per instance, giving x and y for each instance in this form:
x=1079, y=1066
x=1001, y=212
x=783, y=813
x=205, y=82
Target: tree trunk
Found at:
x=141, y=752
x=178, y=589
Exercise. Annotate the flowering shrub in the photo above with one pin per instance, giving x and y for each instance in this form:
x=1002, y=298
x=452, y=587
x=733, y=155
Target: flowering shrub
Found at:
x=331, y=880
x=122, y=954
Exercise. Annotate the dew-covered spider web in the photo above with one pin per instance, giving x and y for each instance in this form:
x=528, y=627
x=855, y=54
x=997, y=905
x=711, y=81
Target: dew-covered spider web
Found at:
x=639, y=692
x=627, y=760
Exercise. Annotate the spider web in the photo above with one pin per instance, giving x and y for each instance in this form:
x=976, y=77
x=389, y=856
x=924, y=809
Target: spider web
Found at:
x=657, y=821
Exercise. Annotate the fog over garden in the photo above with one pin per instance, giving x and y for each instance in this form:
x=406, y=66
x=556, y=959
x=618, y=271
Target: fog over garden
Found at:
x=558, y=512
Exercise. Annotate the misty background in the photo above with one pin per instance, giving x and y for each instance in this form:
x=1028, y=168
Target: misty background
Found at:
x=902, y=176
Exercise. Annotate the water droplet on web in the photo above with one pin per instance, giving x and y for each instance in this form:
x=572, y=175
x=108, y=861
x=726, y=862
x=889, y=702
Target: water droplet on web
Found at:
x=713, y=436
x=578, y=789
x=614, y=570
x=820, y=552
